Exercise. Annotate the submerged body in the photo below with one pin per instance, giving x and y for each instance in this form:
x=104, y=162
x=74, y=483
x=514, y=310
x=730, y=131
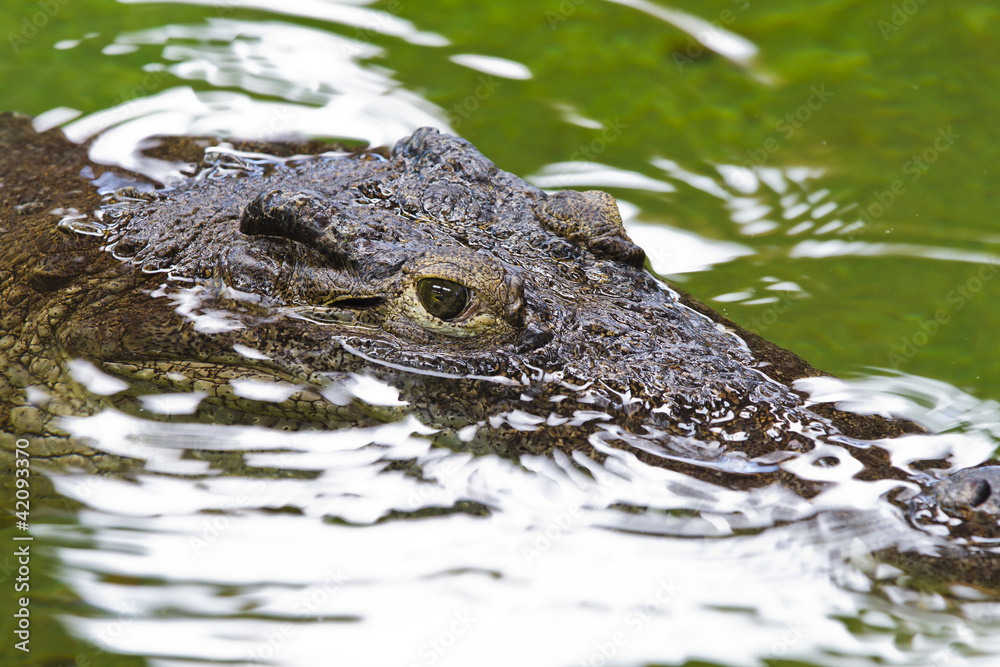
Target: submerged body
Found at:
x=509, y=320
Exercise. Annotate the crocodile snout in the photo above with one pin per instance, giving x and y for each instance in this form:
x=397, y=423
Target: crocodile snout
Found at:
x=971, y=490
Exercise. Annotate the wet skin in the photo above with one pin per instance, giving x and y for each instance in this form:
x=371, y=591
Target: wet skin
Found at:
x=510, y=320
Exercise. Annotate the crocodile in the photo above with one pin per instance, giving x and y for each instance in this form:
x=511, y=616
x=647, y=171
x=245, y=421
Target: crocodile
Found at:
x=508, y=319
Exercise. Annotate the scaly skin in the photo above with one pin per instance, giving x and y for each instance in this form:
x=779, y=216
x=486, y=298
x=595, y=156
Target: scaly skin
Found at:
x=482, y=299
x=41, y=173
x=63, y=295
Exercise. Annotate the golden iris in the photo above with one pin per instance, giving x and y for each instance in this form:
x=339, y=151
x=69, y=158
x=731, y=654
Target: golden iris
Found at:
x=444, y=299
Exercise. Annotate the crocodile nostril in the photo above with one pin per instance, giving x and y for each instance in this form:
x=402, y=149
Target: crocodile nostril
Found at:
x=981, y=492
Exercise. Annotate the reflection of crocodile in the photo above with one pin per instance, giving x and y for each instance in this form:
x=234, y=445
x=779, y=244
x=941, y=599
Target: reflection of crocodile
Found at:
x=506, y=317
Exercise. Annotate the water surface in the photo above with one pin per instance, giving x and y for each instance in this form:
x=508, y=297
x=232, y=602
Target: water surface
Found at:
x=819, y=174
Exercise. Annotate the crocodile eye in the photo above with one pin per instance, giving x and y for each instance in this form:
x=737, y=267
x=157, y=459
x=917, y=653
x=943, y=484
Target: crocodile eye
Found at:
x=444, y=299
x=455, y=293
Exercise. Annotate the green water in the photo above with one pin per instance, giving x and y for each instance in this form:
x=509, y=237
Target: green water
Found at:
x=893, y=107
x=856, y=88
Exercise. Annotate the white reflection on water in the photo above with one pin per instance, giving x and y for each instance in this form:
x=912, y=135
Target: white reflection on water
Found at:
x=593, y=174
x=503, y=67
x=319, y=77
x=380, y=595
x=346, y=12
x=839, y=248
x=309, y=551
x=316, y=546
x=711, y=35
x=674, y=251
x=967, y=428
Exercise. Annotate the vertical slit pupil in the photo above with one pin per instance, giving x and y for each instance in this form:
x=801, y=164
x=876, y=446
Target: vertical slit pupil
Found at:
x=444, y=299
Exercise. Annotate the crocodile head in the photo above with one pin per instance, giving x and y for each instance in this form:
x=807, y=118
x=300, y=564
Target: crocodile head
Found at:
x=453, y=277
x=424, y=281
x=502, y=316
x=434, y=258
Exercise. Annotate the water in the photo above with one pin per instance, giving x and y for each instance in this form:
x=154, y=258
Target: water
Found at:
x=820, y=175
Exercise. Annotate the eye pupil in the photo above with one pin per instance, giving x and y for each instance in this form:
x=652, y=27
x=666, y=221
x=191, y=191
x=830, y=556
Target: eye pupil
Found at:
x=442, y=298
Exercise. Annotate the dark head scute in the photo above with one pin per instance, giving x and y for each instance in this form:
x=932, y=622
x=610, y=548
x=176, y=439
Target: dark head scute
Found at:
x=591, y=220
x=298, y=216
x=450, y=201
x=442, y=156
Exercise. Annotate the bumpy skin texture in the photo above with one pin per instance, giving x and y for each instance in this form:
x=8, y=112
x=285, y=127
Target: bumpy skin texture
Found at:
x=307, y=271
